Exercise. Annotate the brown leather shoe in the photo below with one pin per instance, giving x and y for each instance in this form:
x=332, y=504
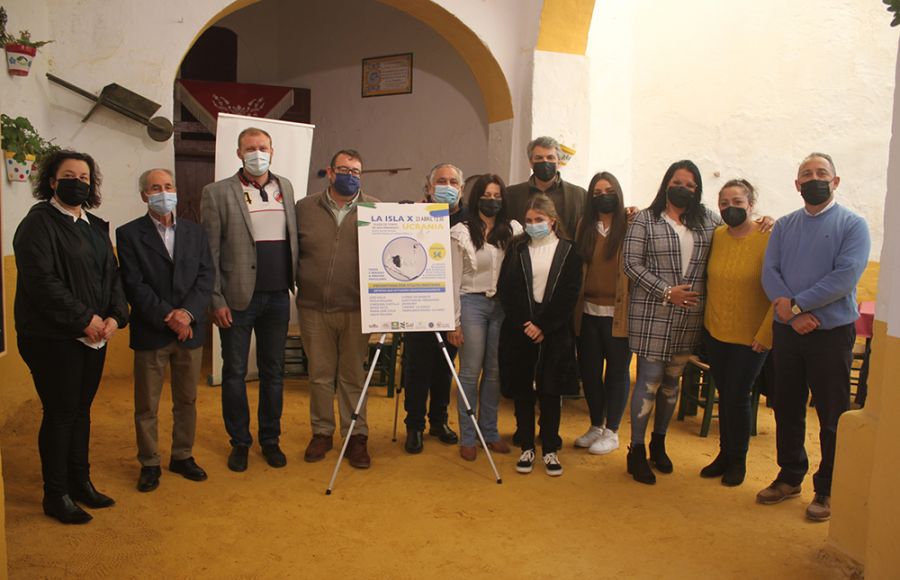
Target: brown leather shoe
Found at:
x=357, y=453
x=499, y=446
x=317, y=448
x=468, y=453
x=820, y=508
x=777, y=492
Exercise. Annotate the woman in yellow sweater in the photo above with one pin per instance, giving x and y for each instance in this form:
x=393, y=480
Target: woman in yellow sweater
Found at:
x=738, y=324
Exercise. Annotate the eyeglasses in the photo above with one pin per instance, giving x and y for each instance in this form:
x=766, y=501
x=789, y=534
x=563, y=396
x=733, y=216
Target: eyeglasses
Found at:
x=343, y=170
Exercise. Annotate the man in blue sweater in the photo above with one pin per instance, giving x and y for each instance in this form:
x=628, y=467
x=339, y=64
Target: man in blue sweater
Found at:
x=814, y=260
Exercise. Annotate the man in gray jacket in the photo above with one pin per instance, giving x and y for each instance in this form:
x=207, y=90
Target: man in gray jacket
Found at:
x=328, y=299
x=252, y=232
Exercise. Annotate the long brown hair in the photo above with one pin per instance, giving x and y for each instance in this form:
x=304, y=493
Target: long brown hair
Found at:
x=586, y=235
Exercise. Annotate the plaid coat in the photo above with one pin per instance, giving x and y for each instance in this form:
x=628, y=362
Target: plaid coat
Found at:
x=652, y=256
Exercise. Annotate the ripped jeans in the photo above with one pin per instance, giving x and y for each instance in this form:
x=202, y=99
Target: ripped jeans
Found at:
x=657, y=382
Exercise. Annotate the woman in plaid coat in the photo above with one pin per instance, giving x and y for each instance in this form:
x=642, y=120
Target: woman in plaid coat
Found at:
x=665, y=254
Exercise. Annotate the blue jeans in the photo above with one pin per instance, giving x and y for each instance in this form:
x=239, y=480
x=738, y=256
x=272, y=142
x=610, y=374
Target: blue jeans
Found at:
x=657, y=383
x=734, y=368
x=268, y=315
x=480, y=320
x=606, y=395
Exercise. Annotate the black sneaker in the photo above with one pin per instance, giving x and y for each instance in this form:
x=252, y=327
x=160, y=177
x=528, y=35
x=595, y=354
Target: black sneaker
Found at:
x=526, y=461
x=552, y=465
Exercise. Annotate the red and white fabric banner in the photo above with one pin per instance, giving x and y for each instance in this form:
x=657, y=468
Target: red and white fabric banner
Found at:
x=206, y=99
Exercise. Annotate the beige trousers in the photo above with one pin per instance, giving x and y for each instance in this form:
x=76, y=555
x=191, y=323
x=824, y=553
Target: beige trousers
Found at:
x=149, y=374
x=337, y=350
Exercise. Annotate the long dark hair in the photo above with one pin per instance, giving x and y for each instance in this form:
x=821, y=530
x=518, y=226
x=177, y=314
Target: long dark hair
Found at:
x=695, y=215
x=50, y=165
x=586, y=234
x=501, y=233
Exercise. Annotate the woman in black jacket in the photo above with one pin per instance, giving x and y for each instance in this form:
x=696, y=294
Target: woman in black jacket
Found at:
x=69, y=302
x=538, y=287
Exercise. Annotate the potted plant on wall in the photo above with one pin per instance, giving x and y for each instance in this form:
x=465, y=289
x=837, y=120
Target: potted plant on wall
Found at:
x=20, y=50
x=22, y=147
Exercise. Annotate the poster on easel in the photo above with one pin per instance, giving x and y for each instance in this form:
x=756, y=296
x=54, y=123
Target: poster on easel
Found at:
x=405, y=271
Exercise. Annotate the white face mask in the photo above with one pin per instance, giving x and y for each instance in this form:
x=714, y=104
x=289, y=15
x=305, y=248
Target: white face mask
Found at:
x=163, y=202
x=256, y=163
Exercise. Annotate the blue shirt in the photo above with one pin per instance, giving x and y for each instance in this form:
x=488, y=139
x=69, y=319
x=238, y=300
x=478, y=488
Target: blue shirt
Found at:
x=817, y=261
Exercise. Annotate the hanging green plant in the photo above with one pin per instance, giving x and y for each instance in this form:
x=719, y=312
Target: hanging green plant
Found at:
x=893, y=6
x=20, y=50
x=23, y=146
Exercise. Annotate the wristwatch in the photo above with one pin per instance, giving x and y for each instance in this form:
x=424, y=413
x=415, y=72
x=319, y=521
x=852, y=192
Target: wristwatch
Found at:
x=795, y=309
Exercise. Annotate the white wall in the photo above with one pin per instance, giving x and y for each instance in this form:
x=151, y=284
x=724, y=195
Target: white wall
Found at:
x=747, y=90
x=140, y=45
x=442, y=120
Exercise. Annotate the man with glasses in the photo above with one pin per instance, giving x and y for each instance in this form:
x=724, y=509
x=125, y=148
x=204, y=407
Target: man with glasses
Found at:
x=424, y=368
x=328, y=300
x=253, y=239
x=543, y=156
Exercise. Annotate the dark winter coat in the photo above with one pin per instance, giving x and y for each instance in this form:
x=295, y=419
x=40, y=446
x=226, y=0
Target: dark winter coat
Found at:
x=550, y=365
x=58, y=289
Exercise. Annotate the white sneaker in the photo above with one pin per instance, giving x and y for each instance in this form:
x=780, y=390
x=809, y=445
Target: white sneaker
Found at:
x=526, y=461
x=589, y=437
x=551, y=464
x=607, y=443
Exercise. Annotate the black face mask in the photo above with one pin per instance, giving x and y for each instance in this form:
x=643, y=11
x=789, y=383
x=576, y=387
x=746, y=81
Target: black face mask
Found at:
x=72, y=192
x=544, y=170
x=680, y=197
x=605, y=203
x=734, y=216
x=816, y=191
x=489, y=207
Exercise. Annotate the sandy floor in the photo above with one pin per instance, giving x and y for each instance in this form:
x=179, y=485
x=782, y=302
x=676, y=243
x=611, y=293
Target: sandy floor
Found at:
x=431, y=515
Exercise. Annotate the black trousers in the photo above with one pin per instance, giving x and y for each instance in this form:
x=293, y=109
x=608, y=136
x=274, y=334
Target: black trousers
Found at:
x=549, y=422
x=818, y=362
x=734, y=367
x=425, y=372
x=66, y=374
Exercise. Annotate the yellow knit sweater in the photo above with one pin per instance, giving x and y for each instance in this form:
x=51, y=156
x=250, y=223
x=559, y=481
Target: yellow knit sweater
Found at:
x=737, y=309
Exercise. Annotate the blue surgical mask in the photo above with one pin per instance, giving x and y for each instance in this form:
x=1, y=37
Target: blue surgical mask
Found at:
x=346, y=184
x=446, y=194
x=538, y=230
x=256, y=163
x=163, y=203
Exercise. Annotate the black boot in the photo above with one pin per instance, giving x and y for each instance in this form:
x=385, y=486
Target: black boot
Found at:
x=717, y=468
x=735, y=472
x=658, y=456
x=85, y=492
x=414, y=442
x=638, y=466
x=65, y=510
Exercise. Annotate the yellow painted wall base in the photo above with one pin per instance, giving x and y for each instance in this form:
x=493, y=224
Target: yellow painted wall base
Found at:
x=864, y=505
x=17, y=385
x=3, y=561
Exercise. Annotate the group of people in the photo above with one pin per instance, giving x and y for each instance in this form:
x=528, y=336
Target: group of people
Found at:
x=554, y=286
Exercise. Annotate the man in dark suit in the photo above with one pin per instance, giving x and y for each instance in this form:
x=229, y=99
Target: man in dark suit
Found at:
x=252, y=230
x=168, y=276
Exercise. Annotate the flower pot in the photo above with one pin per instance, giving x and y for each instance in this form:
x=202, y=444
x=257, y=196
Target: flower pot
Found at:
x=19, y=58
x=17, y=170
